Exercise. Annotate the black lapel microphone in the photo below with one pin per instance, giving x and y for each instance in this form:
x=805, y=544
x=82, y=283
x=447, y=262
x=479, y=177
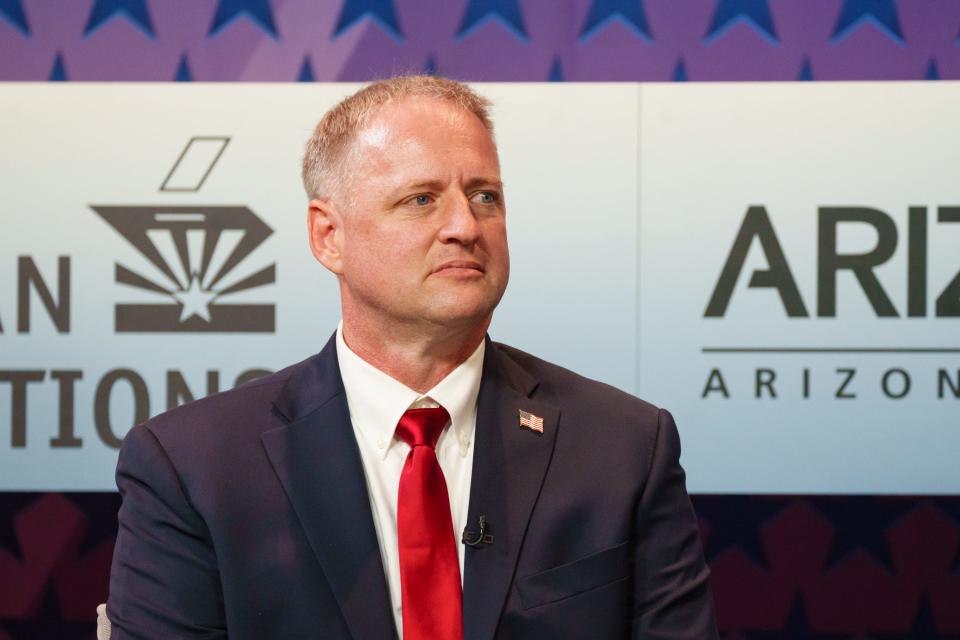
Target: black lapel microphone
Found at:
x=473, y=538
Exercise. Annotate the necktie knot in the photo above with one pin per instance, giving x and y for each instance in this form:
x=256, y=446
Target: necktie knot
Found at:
x=422, y=427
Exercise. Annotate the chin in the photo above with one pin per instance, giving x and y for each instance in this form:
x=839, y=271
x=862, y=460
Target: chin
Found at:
x=463, y=305
x=461, y=315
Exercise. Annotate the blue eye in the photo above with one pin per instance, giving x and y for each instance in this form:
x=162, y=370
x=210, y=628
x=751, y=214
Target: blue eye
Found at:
x=487, y=197
x=422, y=200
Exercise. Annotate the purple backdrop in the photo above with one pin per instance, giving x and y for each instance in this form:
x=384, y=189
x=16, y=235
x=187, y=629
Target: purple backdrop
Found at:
x=479, y=40
x=784, y=567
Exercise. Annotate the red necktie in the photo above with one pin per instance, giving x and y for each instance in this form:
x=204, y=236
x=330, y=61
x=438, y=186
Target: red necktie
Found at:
x=429, y=568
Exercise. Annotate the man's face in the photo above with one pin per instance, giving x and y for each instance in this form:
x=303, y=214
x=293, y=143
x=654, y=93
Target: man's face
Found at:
x=423, y=219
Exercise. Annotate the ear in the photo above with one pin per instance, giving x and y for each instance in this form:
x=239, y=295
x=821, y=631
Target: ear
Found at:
x=326, y=234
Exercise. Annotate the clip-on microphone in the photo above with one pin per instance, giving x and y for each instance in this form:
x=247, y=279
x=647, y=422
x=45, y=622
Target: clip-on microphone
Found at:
x=473, y=539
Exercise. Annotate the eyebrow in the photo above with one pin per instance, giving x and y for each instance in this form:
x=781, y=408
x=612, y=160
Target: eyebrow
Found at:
x=429, y=185
x=437, y=185
x=473, y=183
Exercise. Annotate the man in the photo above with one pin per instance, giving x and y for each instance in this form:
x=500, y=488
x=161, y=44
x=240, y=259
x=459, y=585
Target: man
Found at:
x=328, y=500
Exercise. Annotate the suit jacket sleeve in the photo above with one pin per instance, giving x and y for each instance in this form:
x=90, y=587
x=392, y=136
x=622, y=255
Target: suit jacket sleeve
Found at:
x=672, y=597
x=164, y=580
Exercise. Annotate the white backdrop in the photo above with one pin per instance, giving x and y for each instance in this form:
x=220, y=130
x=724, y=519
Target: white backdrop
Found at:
x=624, y=202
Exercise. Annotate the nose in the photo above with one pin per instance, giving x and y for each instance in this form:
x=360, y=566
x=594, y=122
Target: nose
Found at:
x=460, y=225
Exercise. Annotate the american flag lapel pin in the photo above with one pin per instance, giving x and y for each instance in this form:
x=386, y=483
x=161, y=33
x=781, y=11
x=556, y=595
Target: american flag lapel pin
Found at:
x=530, y=421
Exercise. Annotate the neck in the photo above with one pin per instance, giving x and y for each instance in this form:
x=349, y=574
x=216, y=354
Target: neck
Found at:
x=418, y=357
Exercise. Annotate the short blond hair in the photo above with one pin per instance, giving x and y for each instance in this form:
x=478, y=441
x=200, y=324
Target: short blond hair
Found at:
x=327, y=148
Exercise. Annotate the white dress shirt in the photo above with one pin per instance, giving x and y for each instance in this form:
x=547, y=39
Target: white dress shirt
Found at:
x=376, y=402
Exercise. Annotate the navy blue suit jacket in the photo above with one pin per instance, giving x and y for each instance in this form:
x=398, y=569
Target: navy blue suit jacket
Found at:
x=246, y=513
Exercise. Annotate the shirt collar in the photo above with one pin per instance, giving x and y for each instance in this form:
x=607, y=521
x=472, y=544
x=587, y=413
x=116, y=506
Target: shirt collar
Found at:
x=377, y=401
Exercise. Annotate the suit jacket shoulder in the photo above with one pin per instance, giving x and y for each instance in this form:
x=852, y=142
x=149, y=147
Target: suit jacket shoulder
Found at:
x=235, y=406
x=209, y=535
x=582, y=398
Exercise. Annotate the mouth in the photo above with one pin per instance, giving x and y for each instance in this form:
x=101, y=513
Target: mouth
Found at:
x=459, y=266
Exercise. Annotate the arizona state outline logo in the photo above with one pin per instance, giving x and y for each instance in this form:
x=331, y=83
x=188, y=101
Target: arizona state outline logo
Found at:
x=192, y=255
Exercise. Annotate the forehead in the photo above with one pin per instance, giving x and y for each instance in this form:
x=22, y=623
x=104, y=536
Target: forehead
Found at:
x=413, y=112
x=420, y=132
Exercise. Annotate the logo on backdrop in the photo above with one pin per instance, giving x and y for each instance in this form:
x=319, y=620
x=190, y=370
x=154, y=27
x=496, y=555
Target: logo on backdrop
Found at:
x=843, y=382
x=194, y=257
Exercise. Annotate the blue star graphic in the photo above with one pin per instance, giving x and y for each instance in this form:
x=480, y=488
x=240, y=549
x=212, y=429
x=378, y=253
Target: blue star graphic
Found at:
x=183, y=70
x=680, y=71
x=861, y=522
x=12, y=10
x=932, y=73
x=556, y=71
x=306, y=71
x=883, y=14
x=806, y=71
x=430, y=67
x=755, y=13
x=480, y=11
x=59, y=71
x=629, y=12
x=134, y=10
x=736, y=522
x=257, y=10
x=381, y=11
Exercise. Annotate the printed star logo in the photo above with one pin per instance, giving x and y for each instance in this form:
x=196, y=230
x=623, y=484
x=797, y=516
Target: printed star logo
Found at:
x=195, y=301
x=195, y=258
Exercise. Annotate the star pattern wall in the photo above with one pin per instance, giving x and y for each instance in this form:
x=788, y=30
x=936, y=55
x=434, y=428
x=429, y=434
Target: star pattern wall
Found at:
x=837, y=567
x=479, y=40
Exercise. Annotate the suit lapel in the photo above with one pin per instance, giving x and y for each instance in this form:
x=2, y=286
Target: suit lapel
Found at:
x=317, y=460
x=509, y=466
